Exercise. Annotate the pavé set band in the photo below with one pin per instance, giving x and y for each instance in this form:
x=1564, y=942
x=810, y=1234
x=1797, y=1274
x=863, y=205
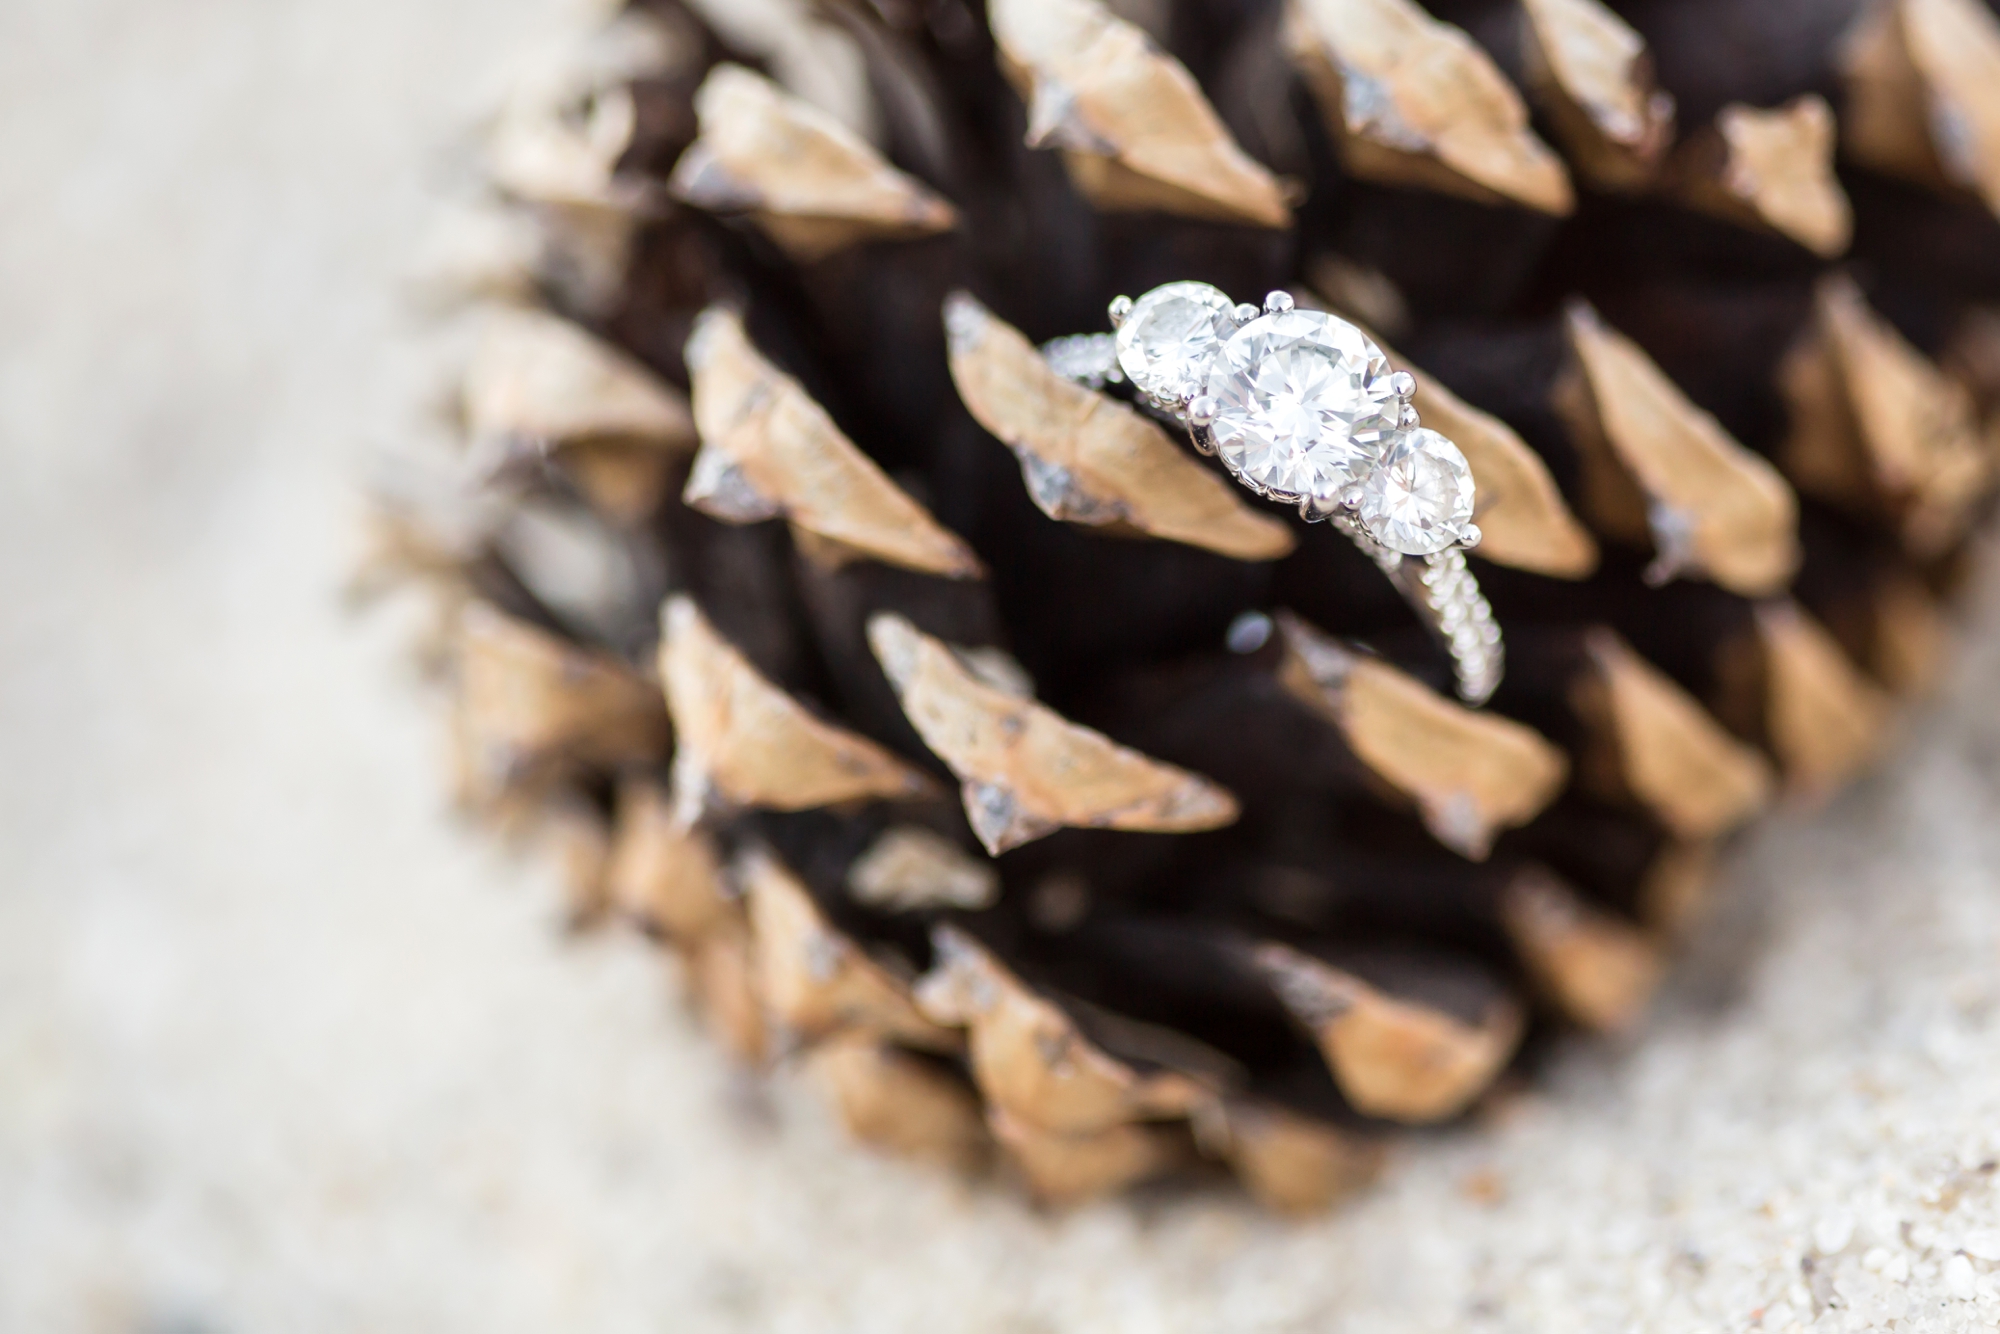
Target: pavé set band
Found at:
x=1303, y=408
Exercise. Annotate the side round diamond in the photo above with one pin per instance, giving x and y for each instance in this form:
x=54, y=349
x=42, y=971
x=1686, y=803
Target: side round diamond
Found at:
x=1303, y=402
x=1419, y=498
x=1169, y=337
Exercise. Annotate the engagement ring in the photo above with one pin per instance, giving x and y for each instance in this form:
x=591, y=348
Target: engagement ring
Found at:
x=1303, y=408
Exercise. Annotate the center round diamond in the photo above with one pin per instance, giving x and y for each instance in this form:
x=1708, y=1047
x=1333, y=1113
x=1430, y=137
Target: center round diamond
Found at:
x=1419, y=498
x=1170, y=336
x=1303, y=402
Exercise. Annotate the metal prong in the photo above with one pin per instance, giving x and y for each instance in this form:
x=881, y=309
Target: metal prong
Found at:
x=1201, y=411
x=1407, y=417
x=1351, y=497
x=1319, y=505
x=1470, y=536
x=1121, y=306
x=1403, y=384
x=1277, y=303
x=1204, y=443
x=1246, y=313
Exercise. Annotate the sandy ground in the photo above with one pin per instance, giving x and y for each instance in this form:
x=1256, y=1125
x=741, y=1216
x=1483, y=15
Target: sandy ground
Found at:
x=282, y=1048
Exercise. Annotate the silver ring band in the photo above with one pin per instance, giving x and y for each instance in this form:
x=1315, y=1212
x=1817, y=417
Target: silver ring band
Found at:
x=1090, y=359
x=1402, y=493
x=1446, y=597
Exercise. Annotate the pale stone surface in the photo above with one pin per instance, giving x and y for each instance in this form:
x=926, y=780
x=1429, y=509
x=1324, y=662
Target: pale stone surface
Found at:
x=282, y=1049
x=1302, y=403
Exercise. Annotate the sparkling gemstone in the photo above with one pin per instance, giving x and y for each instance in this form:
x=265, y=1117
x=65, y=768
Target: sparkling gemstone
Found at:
x=1170, y=336
x=1419, y=498
x=1302, y=403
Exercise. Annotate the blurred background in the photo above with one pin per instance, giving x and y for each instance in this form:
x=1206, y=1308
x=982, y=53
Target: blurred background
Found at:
x=283, y=1047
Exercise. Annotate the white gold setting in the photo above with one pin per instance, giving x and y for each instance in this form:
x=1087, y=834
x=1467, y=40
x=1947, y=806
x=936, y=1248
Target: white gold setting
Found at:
x=1303, y=408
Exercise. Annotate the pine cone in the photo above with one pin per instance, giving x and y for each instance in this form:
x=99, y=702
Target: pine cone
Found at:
x=967, y=735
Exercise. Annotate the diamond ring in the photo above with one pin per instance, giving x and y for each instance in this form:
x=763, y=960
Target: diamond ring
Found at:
x=1303, y=408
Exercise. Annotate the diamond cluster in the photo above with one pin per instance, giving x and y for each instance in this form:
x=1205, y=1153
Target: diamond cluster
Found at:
x=1303, y=407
